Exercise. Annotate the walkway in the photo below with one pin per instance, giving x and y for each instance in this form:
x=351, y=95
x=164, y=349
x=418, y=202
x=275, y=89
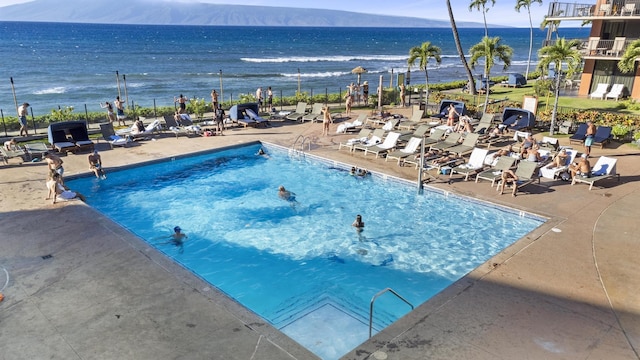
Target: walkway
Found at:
x=82, y=287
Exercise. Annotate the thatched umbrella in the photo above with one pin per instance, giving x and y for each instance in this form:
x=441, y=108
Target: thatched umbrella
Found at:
x=359, y=70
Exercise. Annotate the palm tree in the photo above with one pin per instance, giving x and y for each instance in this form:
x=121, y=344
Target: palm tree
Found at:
x=560, y=53
x=628, y=60
x=481, y=5
x=424, y=52
x=527, y=4
x=456, y=39
x=491, y=50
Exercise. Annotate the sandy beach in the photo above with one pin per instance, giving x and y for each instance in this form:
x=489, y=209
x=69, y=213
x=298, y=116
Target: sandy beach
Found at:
x=82, y=287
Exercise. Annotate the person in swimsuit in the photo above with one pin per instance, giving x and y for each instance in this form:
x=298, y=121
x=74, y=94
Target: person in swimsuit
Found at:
x=182, y=102
x=287, y=195
x=55, y=165
x=95, y=164
x=22, y=116
x=57, y=190
x=326, y=120
x=588, y=140
x=214, y=99
x=359, y=225
x=452, y=115
x=120, y=110
x=110, y=115
x=177, y=238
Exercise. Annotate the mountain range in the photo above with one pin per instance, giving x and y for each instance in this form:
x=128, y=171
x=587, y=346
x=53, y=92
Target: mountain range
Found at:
x=176, y=13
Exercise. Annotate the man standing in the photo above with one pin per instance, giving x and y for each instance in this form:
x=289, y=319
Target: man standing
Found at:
x=22, y=116
x=588, y=141
x=120, y=110
x=259, y=98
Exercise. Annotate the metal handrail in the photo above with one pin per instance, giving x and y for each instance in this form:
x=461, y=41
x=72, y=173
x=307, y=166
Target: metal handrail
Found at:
x=304, y=138
x=373, y=299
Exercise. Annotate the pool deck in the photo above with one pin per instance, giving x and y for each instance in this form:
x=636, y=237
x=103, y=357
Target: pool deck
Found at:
x=82, y=287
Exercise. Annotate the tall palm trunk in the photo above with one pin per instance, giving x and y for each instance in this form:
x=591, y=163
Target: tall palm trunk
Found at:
x=484, y=16
x=426, y=87
x=554, y=113
x=456, y=38
x=526, y=76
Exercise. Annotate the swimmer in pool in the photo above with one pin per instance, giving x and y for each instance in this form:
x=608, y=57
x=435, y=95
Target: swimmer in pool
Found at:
x=287, y=195
x=177, y=238
x=359, y=225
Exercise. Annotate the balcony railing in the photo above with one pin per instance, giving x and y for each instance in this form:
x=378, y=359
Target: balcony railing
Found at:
x=559, y=11
x=595, y=47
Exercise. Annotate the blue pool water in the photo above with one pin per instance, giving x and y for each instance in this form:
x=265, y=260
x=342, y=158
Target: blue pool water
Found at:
x=304, y=268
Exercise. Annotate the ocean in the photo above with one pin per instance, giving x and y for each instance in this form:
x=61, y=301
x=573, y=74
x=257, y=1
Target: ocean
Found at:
x=61, y=64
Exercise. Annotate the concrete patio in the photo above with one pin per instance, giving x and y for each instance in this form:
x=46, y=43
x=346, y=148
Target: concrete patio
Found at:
x=82, y=287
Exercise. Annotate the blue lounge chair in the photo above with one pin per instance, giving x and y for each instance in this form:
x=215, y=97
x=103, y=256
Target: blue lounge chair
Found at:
x=602, y=136
x=580, y=134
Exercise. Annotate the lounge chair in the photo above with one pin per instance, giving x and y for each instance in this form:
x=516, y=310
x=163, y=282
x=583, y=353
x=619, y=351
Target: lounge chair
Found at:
x=616, y=49
x=600, y=91
x=173, y=126
x=484, y=124
x=495, y=172
x=36, y=149
x=580, y=134
x=475, y=164
x=362, y=136
x=549, y=143
x=12, y=154
x=315, y=114
x=255, y=117
x=434, y=137
x=565, y=127
x=80, y=137
x=468, y=144
x=617, y=91
x=604, y=168
x=450, y=141
x=348, y=126
x=375, y=139
x=602, y=136
x=526, y=173
x=390, y=142
x=551, y=171
x=60, y=142
x=301, y=110
x=412, y=122
x=109, y=135
x=418, y=133
x=409, y=149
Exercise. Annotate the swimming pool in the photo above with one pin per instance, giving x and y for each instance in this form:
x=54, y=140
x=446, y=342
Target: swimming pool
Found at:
x=304, y=268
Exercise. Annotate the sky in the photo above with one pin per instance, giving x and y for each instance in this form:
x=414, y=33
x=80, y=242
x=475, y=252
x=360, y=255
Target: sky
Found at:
x=502, y=13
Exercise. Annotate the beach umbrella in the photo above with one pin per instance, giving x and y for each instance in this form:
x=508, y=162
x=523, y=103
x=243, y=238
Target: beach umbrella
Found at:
x=359, y=70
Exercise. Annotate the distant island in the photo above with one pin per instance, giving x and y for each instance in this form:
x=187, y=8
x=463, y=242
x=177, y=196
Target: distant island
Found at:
x=176, y=13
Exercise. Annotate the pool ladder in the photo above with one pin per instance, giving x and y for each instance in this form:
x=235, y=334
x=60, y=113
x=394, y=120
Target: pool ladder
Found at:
x=303, y=139
x=373, y=300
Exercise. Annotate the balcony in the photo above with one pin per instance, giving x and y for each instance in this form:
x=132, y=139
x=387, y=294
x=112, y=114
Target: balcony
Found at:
x=629, y=9
x=596, y=48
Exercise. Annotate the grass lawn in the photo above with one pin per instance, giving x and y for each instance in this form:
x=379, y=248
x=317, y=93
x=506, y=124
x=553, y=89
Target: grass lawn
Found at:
x=579, y=103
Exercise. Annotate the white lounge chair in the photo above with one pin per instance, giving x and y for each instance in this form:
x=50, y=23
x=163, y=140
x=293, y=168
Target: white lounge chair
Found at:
x=375, y=139
x=551, y=171
x=600, y=92
x=617, y=91
x=604, y=168
x=363, y=136
x=346, y=126
x=618, y=45
x=409, y=149
x=389, y=143
x=475, y=164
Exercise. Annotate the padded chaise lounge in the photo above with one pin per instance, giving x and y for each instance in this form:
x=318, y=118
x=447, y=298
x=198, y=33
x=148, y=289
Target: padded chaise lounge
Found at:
x=604, y=168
